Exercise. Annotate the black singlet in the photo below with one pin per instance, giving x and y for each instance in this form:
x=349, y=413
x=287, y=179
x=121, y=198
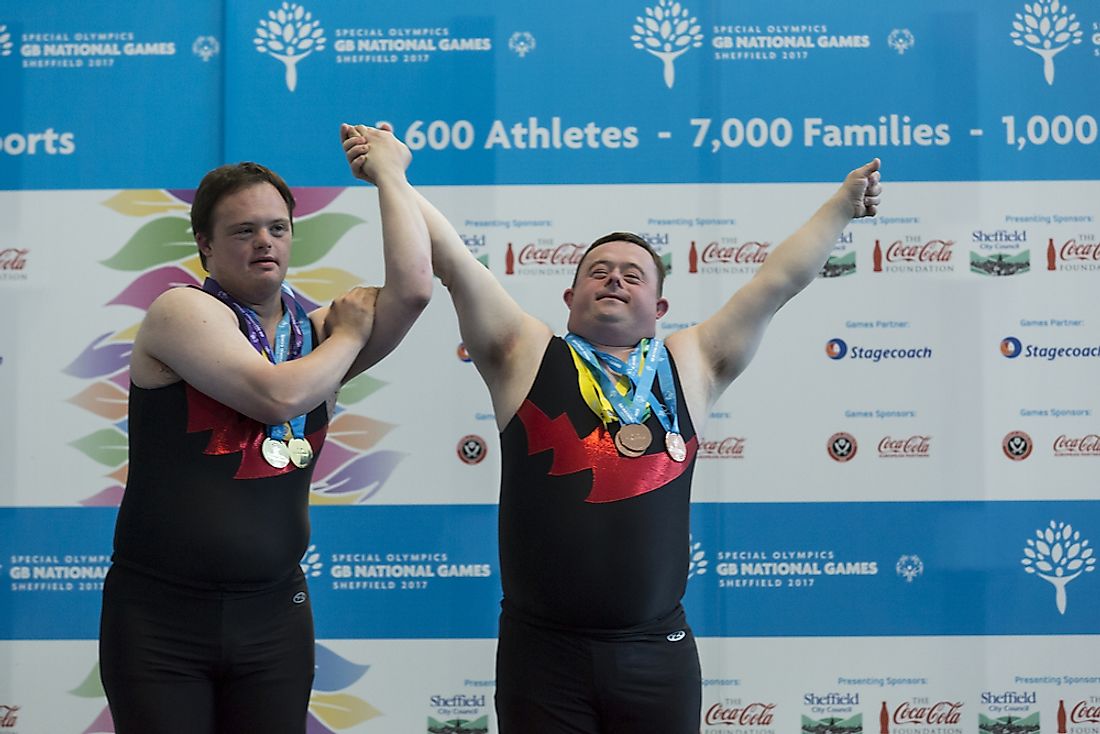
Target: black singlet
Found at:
x=589, y=540
x=201, y=505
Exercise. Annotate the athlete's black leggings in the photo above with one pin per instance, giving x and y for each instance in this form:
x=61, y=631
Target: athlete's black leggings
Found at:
x=557, y=682
x=179, y=660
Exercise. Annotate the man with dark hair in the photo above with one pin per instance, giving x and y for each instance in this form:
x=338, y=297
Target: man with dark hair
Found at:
x=598, y=441
x=206, y=623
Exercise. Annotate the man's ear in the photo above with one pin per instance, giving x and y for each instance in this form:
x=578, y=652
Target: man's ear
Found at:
x=568, y=298
x=204, y=244
x=662, y=307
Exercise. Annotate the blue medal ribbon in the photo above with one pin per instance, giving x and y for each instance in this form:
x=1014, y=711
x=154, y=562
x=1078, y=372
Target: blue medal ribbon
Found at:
x=668, y=416
x=293, y=339
x=631, y=410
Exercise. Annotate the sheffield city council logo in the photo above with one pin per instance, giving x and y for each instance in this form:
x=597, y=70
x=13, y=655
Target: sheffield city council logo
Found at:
x=1047, y=28
x=667, y=31
x=1058, y=554
x=289, y=34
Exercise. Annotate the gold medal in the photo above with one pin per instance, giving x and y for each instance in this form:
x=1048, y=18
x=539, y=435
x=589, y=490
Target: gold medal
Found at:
x=301, y=453
x=633, y=439
x=674, y=445
x=275, y=453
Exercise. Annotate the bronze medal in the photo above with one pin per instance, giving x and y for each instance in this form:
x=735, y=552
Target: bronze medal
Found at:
x=633, y=439
x=301, y=453
x=275, y=453
x=674, y=445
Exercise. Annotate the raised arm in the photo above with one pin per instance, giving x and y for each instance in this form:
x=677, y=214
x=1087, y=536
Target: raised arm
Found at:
x=716, y=351
x=405, y=246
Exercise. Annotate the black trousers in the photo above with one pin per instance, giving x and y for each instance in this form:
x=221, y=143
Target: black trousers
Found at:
x=180, y=660
x=551, y=681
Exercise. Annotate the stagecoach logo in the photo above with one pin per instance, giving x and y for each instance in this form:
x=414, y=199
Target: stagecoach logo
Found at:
x=1057, y=554
x=733, y=713
x=289, y=34
x=697, y=561
x=1017, y=445
x=206, y=47
x=667, y=31
x=5, y=40
x=1046, y=28
x=901, y=40
x=9, y=714
x=521, y=43
x=311, y=563
x=909, y=567
x=836, y=348
x=1011, y=347
x=472, y=449
x=1080, y=253
x=842, y=447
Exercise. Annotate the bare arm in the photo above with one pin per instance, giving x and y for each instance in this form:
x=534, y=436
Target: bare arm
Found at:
x=717, y=350
x=191, y=336
x=504, y=341
x=405, y=246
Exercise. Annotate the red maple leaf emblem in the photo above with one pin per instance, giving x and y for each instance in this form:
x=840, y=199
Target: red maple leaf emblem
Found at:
x=614, y=477
x=233, y=433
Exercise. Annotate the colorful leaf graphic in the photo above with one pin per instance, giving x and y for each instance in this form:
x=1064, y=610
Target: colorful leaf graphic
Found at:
x=341, y=711
x=334, y=672
x=143, y=291
x=120, y=474
x=122, y=379
x=128, y=334
x=323, y=284
x=358, y=431
x=194, y=266
x=108, y=446
x=332, y=458
x=359, y=388
x=143, y=202
x=103, y=723
x=367, y=473
x=314, y=725
x=104, y=399
x=97, y=360
x=163, y=240
x=314, y=237
x=110, y=497
x=91, y=687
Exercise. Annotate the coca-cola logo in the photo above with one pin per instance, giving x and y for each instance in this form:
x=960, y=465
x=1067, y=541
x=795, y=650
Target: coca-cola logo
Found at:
x=1073, y=250
x=1083, y=446
x=914, y=446
x=931, y=251
x=567, y=253
x=730, y=447
x=13, y=258
x=941, y=712
x=753, y=714
x=1084, y=713
x=746, y=253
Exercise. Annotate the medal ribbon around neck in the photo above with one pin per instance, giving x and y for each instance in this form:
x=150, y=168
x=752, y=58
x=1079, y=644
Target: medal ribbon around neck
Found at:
x=293, y=339
x=640, y=369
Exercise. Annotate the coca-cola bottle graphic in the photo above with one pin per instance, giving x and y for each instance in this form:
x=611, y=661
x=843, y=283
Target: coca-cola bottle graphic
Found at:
x=509, y=261
x=1050, y=255
x=878, y=257
x=883, y=713
x=693, y=259
x=1061, y=716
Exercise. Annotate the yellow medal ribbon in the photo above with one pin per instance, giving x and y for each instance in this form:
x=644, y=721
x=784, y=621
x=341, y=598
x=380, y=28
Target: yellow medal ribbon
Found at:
x=593, y=395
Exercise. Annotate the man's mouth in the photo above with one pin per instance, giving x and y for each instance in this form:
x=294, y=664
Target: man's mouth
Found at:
x=261, y=260
x=616, y=296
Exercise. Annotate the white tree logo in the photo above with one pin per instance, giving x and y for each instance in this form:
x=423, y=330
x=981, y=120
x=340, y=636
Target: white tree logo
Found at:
x=667, y=31
x=522, y=43
x=697, y=564
x=901, y=40
x=1058, y=555
x=311, y=562
x=5, y=41
x=289, y=34
x=1047, y=28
